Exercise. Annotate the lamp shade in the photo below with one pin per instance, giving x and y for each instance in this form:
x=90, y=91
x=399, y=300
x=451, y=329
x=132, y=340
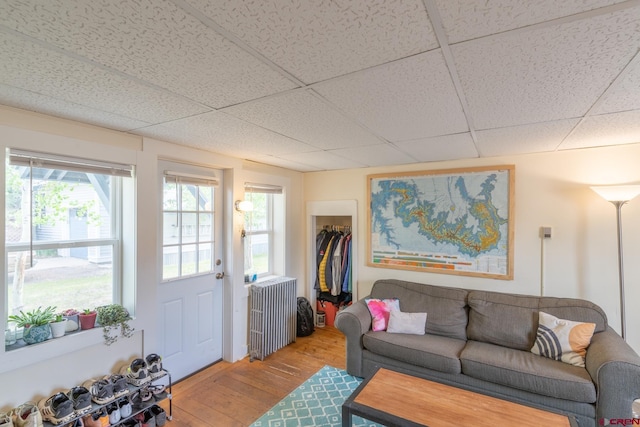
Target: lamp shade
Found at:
x=617, y=193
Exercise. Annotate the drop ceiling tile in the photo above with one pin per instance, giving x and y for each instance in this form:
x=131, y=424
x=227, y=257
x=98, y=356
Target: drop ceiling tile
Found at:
x=625, y=94
x=288, y=164
x=545, y=74
x=55, y=75
x=605, y=129
x=447, y=147
x=470, y=19
x=209, y=130
x=317, y=40
x=323, y=160
x=152, y=40
x=303, y=116
x=533, y=138
x=407, y=99
x=375, y=155
x=20, y=98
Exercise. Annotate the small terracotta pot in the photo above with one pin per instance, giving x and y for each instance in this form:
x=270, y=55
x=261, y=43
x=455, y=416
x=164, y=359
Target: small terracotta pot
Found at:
x=87, y=321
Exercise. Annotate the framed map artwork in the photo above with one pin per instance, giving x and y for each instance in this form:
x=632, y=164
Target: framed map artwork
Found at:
x=456, y=221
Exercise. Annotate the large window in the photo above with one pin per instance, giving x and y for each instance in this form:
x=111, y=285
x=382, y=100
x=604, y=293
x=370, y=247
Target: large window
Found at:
x=63, y=222
x=187, y=227
x=260, y=229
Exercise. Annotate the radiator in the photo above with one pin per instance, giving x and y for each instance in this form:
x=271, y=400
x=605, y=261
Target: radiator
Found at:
x=273, y=316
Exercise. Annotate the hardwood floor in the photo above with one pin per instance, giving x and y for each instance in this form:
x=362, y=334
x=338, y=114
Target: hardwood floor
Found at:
x=236, y=394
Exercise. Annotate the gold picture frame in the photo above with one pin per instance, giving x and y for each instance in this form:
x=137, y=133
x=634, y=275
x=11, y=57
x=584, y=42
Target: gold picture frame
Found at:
x=451, y=221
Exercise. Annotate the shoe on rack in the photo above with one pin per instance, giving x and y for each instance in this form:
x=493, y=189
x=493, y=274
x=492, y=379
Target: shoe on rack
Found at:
x=114, y=413
x=27, y=415
x=146, y=419
x=89, y=421
x=141, y=398
x=76, y=423
x=57, y=409
x=120, y=385
x=6, y=420
x=131, y=422
x=154, y=365
x=125, y=408
x=158, y=390
x=159, y=414
x=81, y=399
x=101, y=391
x=136, y=372
x=99, y=418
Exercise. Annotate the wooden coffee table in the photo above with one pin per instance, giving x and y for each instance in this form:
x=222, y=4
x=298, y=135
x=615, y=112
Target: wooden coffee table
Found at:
x=396, y=399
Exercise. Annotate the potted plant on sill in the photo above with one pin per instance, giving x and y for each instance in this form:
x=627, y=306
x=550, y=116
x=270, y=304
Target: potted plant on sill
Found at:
x=87, y=318
x=114, y=318
x=35, y=323
x=58, y=326
x=73, y=319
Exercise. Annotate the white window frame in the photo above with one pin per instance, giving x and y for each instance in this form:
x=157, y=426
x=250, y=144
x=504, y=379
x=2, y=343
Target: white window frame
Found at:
x=179, y=178
x=269, y=190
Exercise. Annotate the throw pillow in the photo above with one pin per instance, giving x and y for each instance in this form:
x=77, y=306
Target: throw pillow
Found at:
x=563, y=340
x=380, y=309
x=407, y=323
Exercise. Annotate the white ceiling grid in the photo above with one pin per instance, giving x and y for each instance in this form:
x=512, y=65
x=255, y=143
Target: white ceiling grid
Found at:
x=328, y=85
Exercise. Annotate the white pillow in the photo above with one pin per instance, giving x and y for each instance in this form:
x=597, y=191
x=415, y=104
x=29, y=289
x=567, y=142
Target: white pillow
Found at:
x=407, y=323
x=562, y=340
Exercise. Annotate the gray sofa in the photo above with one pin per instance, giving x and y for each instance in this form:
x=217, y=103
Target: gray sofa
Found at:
x=481, y=341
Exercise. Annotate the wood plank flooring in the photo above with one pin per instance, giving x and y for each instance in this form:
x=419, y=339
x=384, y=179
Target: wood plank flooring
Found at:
x=236, y=394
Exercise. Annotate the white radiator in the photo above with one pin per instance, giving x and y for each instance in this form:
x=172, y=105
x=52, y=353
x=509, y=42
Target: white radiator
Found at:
x=273, y=316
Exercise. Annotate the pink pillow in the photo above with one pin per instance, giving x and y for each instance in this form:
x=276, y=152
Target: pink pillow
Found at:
x=380, y=309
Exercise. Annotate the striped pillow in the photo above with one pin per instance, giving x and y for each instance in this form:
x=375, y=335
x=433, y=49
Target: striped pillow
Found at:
x=562, y=340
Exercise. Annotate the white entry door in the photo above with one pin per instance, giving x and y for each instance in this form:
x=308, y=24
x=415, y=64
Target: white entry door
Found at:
x=191, y=290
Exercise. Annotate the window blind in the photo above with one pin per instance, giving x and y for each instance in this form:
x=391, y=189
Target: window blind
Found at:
x=76, y=164
x=262, y=188
x=189, y=179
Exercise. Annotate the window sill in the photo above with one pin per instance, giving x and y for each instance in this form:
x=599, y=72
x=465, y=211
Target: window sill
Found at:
x=20, y=355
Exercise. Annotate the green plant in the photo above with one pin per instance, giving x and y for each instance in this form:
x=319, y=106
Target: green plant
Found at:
x=58, y=318
x=114, y=317
x=37, y=317
x=87, y=311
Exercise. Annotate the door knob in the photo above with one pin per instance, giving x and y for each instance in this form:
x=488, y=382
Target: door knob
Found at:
x=219, y=275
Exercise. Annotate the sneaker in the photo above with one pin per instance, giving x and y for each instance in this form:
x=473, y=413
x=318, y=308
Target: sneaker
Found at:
x=6, y=420
x=125, y=408
x=76, y=423
x=141, y=398
x=159, y=414
x=158, y=390
x=154, y=365
x=119, y=382
x=57, y=409
x=136, y=373
x=101, y=391
x=81, y=400
x=114, y=413
x=27, y=415
x=90, y=421
x=99, y=418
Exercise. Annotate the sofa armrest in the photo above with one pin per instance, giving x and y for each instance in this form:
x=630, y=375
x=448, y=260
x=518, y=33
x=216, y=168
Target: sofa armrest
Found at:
x=615, y=369
x=354, y=321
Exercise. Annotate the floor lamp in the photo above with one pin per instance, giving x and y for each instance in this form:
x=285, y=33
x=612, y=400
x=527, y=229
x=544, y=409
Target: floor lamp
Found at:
x=619, y=195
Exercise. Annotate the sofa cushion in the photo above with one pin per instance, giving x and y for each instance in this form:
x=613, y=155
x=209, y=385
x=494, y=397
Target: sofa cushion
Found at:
x=406, y=323
x=526, y=371
x=512, y=320
x=446, y=307
x=428, y=351
x=562, y=339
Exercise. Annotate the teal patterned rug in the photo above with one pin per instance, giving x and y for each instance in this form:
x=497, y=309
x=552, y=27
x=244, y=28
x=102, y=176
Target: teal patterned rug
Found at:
x=317, y=402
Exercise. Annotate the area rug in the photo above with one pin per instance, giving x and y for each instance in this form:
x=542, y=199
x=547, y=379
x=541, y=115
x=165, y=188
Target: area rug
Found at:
x=317, y=402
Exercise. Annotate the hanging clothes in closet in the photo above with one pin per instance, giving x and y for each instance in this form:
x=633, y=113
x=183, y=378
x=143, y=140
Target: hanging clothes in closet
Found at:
x=333, y=261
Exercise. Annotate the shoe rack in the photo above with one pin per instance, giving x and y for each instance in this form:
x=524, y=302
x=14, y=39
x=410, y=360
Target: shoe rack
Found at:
x=138, y=405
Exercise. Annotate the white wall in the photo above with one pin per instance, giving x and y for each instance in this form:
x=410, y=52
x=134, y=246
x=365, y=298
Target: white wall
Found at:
x=38, y=371
x=551, y=189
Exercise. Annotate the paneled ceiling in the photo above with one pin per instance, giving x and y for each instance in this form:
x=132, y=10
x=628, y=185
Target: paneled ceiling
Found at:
x=333, y=84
